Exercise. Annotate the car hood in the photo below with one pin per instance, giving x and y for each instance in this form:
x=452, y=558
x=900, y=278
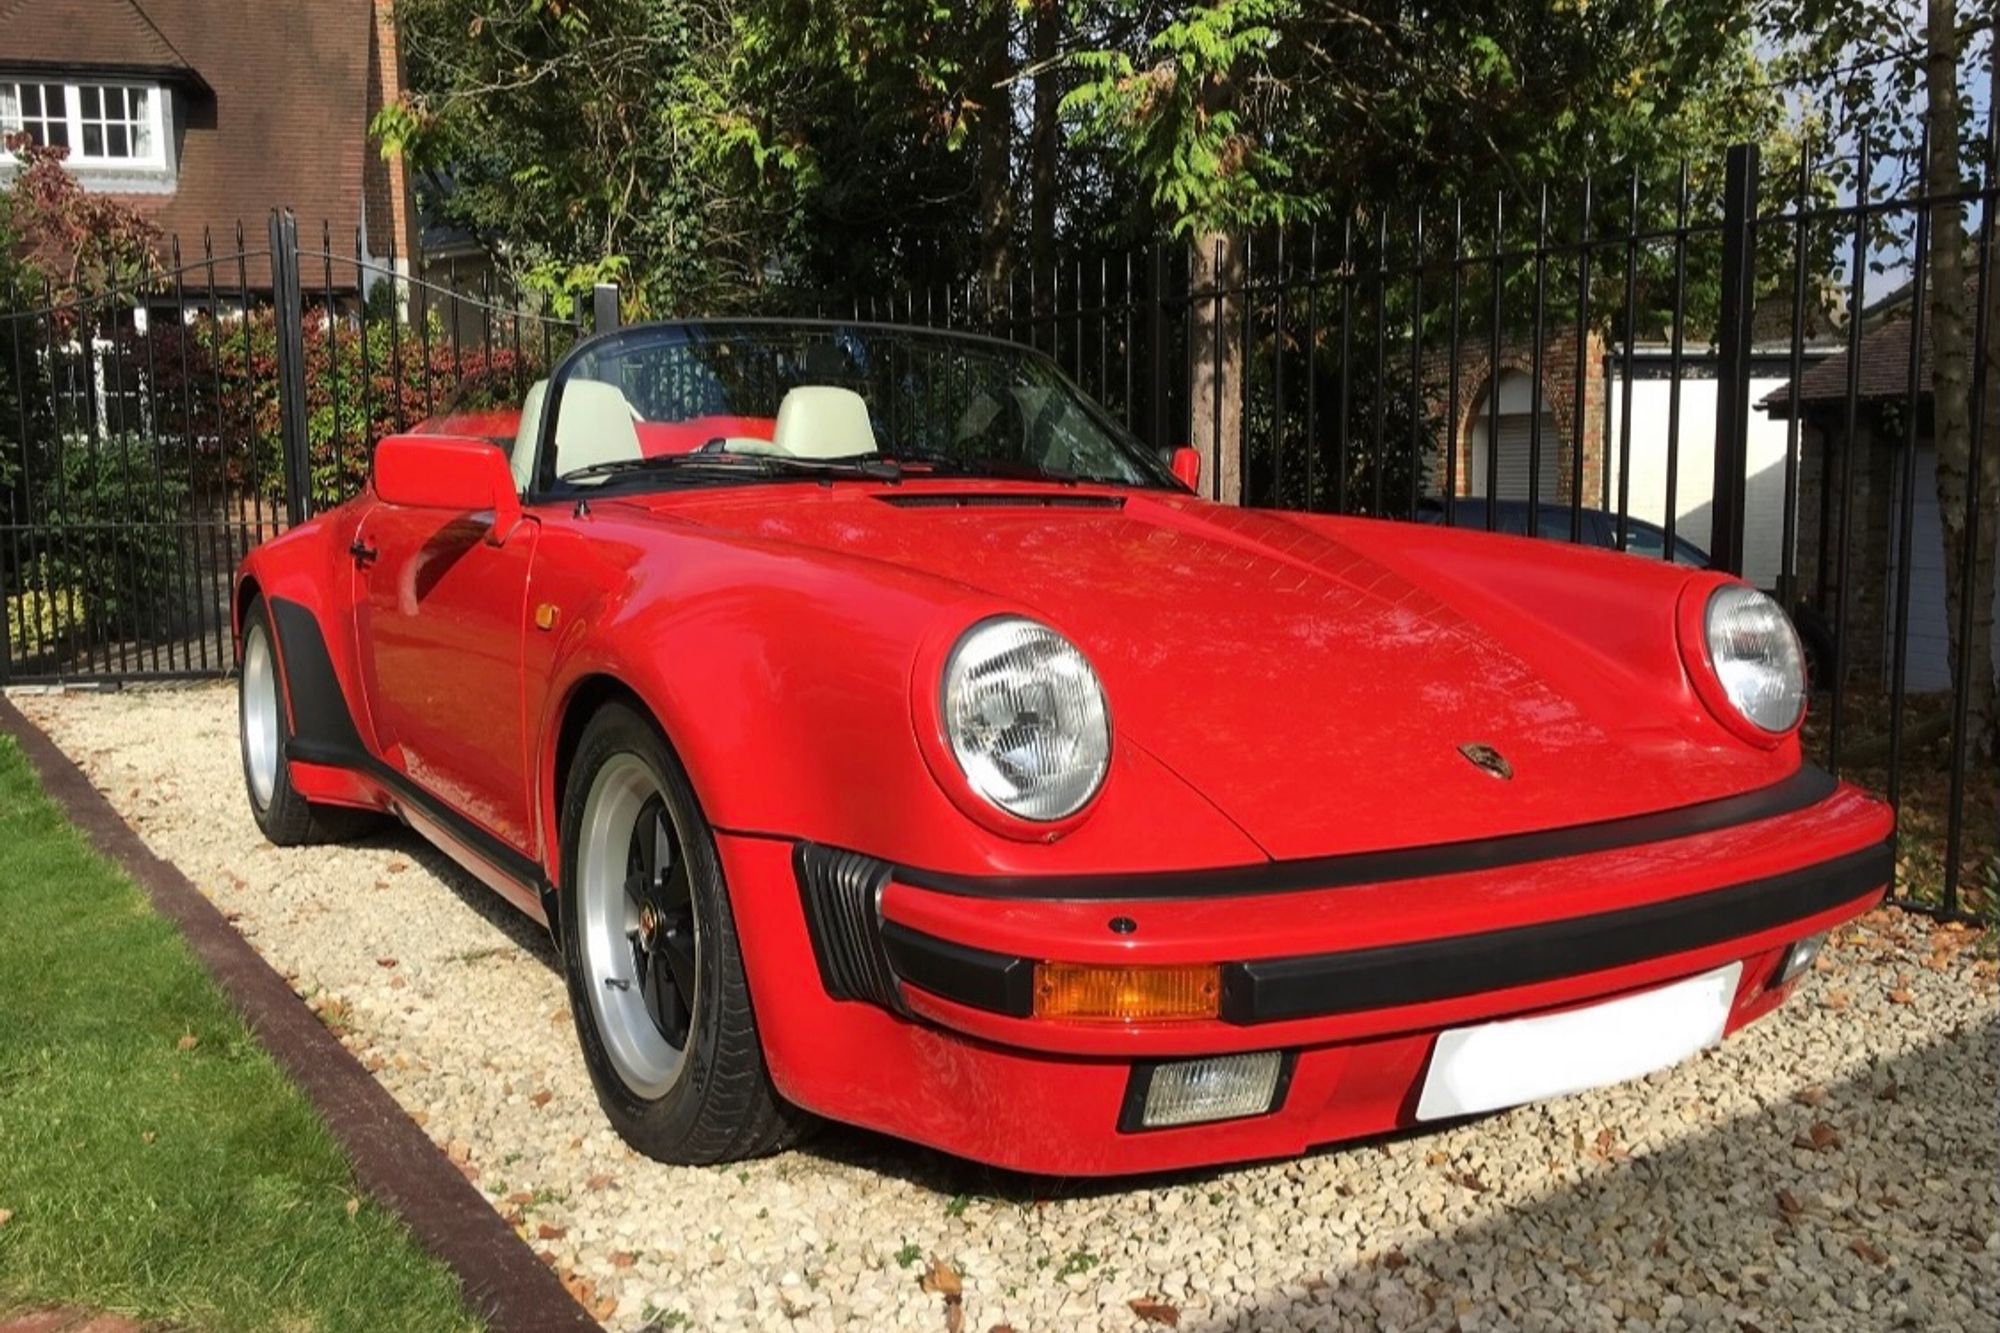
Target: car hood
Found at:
x=1319, y=680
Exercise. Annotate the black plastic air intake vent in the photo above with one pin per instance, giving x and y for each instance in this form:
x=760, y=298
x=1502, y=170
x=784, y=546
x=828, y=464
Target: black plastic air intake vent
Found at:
x=1000, y=500
x=839, y=890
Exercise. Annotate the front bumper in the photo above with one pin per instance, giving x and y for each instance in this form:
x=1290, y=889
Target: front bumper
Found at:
x=903, y=1000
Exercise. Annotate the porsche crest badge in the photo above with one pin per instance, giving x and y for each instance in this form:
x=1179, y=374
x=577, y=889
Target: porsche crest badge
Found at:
x=1487, y=760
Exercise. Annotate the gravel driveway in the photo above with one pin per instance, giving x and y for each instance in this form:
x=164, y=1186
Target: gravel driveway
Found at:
x=1833, y=1167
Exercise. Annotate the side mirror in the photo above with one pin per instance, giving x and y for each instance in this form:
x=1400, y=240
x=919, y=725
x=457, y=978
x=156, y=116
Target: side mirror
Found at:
x=457, y=473
x=1186, y=465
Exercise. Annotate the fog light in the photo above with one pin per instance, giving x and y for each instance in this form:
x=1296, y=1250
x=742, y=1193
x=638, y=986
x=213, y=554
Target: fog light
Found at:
x=1799, y=957
x=1126, y=994
x=1193, y=1092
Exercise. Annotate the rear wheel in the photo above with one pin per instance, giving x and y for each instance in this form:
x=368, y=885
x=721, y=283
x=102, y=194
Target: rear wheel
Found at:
x=284, y=816
x=652, y=958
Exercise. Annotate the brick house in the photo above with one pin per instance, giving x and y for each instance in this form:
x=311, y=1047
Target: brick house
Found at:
x=1671, y=424
x=207, y=114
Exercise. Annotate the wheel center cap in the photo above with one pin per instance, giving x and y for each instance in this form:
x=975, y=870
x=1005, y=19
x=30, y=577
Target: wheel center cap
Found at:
x=649, y=925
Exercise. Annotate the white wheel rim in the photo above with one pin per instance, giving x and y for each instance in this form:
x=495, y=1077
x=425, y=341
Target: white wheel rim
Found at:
x=639, y=936
x=259, y=703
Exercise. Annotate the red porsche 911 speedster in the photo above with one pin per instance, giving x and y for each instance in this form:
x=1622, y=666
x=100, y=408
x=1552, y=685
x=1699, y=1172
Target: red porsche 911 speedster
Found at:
x=885, y=735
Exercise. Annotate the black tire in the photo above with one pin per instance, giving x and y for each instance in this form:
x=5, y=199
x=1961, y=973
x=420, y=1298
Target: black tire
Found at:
x=721, y=1105
x=286, y=818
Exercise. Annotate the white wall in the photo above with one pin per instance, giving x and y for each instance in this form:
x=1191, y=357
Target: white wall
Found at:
x=1764, y=492
x=1928, y=665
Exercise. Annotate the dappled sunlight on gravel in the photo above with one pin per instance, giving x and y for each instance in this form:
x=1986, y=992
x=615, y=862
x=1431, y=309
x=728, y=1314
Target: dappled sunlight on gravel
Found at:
x=1834, y=1167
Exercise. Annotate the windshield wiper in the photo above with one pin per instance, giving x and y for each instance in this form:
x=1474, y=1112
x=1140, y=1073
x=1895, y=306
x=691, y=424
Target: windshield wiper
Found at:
x=727, y=464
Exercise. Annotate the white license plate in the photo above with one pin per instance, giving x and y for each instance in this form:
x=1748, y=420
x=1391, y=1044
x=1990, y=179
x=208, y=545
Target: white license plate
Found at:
x=1526, y=1059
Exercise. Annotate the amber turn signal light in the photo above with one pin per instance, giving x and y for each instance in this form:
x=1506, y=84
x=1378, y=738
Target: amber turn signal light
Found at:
x=1084, y=993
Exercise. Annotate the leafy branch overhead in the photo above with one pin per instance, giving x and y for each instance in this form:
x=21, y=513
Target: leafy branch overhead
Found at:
x=710, y=154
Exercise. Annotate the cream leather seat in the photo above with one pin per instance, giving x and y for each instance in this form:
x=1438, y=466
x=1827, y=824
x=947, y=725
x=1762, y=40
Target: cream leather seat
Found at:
x=594, y=425
x=521, y=462
x=823, y=421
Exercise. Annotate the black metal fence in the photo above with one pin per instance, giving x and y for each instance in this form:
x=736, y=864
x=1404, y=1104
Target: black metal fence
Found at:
x=152, y=435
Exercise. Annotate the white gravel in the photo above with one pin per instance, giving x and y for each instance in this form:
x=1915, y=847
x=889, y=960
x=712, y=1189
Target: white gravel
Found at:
x=1689, y=1200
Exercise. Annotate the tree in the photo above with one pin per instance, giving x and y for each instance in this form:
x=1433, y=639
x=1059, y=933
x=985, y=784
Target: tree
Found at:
x=1235, y=114
x=1905, y=85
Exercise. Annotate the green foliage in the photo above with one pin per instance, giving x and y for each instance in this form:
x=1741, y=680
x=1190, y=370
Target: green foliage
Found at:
x=110, y=520
x=1192, y=142
x=154, y=1160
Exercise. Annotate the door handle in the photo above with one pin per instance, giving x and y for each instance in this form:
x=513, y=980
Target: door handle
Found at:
x=363, y=553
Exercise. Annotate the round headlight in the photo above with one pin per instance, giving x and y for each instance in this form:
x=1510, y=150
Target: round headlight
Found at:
x=1757, y=657
x=1026, y=719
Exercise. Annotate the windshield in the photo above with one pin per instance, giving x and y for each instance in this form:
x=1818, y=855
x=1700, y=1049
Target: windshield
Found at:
x=746, y=401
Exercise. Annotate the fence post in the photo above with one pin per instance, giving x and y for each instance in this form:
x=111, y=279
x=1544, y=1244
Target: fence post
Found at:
x=604, y=307
x=1732, y=373
x=289, y=313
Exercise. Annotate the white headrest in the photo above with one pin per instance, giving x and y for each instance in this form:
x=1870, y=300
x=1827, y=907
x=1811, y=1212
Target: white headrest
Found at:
x=594, y=425
x=823, y=421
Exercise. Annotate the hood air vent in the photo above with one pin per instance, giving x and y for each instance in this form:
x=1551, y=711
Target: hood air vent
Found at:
x=1001, y=500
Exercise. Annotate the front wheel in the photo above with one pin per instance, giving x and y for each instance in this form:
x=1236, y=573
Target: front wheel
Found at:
x=652, y=958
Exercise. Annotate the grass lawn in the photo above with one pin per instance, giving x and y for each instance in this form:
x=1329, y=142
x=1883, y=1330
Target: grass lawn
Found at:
x=153, y=1160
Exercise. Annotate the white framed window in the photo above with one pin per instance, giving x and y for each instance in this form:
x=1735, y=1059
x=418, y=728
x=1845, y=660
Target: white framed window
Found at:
x=108, y=125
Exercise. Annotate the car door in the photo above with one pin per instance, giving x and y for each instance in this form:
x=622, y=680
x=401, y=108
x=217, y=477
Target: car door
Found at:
x=440, y=620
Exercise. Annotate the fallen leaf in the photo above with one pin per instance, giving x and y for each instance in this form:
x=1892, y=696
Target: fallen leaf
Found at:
x=1892, y=1091
x=1659, y=1247
x=6, y=1216
x=1472, y=1182
x=550, y=1231
x=1156, y=1312
x=941, y=1279
x=1811, y=1096
x=1837, y=1000
x=187, y=1043
x=541, y=1098
x=1435, y=1159
x=398, y=867
x=353, y=1205
x=520, y=1197
x=597, y=1183
x=148, y=1137
x=954, y=1315
x=620, y=1259
x=1901, y=995
x=385, y=962
x=1394, y=1261
x=1788, y=1204
x=1820, y=1138
x=458, y=1152
x=1867, y=1250
x=396, y=982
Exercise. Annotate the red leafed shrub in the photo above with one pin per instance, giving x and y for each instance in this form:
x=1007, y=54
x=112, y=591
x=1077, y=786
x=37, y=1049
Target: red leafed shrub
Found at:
x=218, y=382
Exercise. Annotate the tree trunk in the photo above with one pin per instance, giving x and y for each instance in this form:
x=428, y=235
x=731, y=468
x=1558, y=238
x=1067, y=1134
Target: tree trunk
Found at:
x=996, y=159
x=1215, y=342
x=1952, y=299
x=1045, y=139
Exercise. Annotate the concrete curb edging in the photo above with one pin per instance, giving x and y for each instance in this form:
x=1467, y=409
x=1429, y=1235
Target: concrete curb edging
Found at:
x=394, y=1161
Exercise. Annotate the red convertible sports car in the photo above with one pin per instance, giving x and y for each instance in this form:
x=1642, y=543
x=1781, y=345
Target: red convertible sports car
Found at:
x=885, y=735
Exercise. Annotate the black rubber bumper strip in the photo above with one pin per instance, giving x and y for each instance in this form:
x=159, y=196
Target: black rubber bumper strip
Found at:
x=1802, y=790
x=1391, y=976
x=1400, y=974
